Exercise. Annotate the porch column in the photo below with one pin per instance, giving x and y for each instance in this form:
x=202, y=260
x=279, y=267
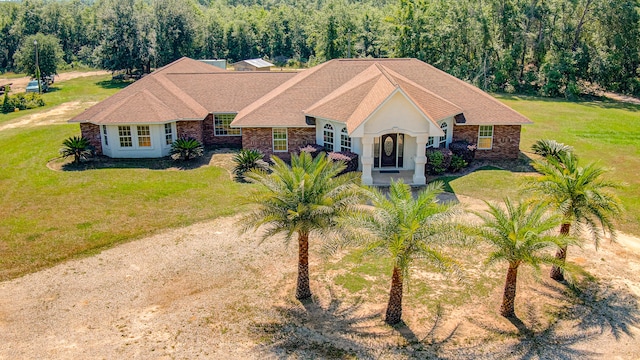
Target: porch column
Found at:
x=367, y=159
x=420, y=160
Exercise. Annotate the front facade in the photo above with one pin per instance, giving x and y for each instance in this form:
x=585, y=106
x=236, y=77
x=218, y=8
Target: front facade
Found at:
x=388, y=111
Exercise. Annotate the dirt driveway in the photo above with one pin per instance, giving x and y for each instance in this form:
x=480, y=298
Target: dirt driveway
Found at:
x=204, y=292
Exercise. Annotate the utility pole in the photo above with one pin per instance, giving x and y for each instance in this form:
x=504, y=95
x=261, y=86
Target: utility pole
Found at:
x=349, y=44
x=35, y=42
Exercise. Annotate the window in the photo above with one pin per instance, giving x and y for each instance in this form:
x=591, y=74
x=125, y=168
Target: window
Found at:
x=443, y=139
x=124, y=132
x=345, y=140
x=485, y=137
x=144, y=136
x=104, y=133
x=280, y=139
x=431, y=141
x=168, y=134
x=222, y=124
x=328, y=137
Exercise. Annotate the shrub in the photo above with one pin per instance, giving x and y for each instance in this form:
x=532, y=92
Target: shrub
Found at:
x=7, y=103
x=457, y=163
x=78, y=147
x=22, y=101
x=246, y=160
x=548, y=148
x=438, y=161
x=464, y=149
x=349, y=158
x=186, y=149
x=312, y=149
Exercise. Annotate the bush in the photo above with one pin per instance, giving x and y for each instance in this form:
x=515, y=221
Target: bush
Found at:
x=21, y=101
x=464, y=149
x=438, y=161
x=548, y=148
x=186, y=149
x=78, y=147
x=246, y=160
x=313, y=149
x=349, y=158
x=457, y=163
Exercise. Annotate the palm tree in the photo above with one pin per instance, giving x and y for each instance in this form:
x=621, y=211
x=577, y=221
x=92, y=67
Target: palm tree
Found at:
x=519, y=235
x=405, y=229
x=580, y=194
x=550, y=148
x=78, y=147
x=186, y=149
x=248, y=159
x=303, y=198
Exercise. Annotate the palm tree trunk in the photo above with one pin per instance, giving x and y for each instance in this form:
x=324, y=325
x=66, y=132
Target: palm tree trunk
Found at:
x=509, y=296
x=561, y=255
x=303, y=291
x=394, y=308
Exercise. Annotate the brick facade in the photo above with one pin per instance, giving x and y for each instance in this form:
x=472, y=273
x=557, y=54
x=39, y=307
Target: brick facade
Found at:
x=210, y=138
x=261, y=139
x=92, y=132
x=506, y=140
x=190, y=129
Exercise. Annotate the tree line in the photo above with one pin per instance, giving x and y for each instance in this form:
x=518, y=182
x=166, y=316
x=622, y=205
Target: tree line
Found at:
x=548, y=47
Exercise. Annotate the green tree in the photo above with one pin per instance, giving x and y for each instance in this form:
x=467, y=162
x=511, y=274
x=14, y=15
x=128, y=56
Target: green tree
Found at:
x=550, y=148
x=176, y=29
x=578, y=193
x=49, y=55
x=302, y=199
x=519, y=235
x=406, y=230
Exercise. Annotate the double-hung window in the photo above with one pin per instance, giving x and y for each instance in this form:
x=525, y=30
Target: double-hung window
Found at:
x=485, y=137
x=279, y=138
x=222, y=125
x=124, y=132
x=168, y=134
x=328, y=137
x=144, y=136
x=104, y=134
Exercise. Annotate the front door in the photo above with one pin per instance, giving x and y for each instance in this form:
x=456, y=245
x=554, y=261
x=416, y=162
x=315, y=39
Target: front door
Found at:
x=389, y=148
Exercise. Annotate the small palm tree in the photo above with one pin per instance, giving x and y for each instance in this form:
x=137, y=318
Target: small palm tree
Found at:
x=519, y=235
x=405, y=229
x=246, y=160
x=580, y=194
x=301, y=199
x=186, y=149
x=78, y=147
x=550, y=148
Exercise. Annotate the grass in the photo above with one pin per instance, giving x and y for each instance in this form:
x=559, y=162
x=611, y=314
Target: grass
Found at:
x=50, y=216
x=86, y=89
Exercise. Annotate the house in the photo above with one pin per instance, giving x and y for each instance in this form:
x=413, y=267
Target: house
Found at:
x=388, y=111
x=252, y=65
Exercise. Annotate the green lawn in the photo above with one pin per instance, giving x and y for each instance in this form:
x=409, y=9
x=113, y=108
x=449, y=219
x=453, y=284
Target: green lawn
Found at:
x=86, y=89
x=605, y=132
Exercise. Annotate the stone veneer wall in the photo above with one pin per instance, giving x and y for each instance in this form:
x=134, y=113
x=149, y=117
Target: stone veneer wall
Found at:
x=190, y=129
x=92, y=132
x=261, y=139
x=210, y=138
x=506, y=140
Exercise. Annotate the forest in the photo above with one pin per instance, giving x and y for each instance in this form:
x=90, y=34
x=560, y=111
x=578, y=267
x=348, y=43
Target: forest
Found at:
x=557, y=48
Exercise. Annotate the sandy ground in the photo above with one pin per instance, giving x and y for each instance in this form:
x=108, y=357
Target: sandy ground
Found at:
x=20, y=84
x=203, y=291
x=57, y=115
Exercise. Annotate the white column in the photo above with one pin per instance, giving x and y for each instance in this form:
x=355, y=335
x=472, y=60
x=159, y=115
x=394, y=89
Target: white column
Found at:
x=420, y=160
x=367, y=159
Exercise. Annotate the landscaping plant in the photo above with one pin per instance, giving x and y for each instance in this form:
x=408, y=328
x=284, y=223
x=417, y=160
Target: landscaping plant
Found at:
x=302, y=199
x=407, y=230
x=578, y=193
x=186, y=149
x=519, y=235
x=246, y=160
x=550, y=148
x=78, y=147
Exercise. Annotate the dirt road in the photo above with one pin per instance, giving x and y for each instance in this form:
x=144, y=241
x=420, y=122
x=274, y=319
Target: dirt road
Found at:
x=20, y=84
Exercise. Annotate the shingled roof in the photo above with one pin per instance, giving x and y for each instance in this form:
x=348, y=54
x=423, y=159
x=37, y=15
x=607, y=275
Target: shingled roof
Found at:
x=349, y=89
x=346, y=90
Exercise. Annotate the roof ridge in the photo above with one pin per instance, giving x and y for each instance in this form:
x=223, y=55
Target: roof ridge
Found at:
x=384, y=72
x=278, y=90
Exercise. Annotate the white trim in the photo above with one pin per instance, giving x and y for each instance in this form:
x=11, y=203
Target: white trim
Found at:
x=273, y=143
x=485, y=137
